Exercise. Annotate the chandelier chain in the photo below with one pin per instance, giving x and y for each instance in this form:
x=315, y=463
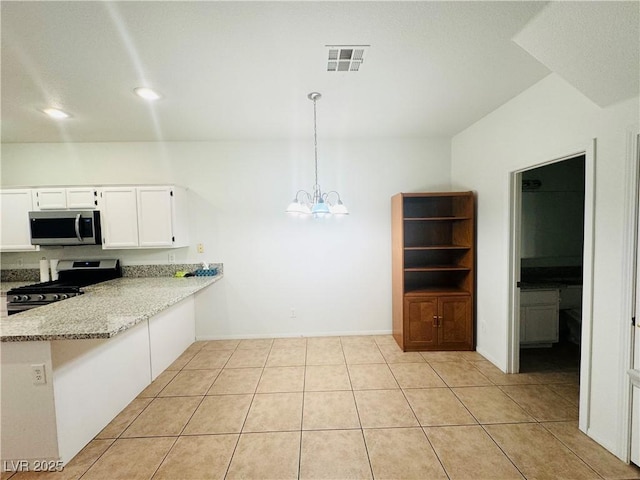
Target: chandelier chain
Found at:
x=315, y=138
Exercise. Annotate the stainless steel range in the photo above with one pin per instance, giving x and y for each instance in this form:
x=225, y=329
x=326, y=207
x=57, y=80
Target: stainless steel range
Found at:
x=73, y=275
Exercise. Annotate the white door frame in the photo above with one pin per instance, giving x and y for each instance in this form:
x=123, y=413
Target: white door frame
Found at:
x=631, y=299
x=515, y=201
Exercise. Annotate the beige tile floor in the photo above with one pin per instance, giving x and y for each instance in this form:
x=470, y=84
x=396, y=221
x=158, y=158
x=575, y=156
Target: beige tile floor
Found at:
x=347, y=407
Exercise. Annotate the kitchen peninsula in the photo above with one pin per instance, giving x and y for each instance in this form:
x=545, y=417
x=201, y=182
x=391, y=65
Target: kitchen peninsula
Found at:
x=70, y=367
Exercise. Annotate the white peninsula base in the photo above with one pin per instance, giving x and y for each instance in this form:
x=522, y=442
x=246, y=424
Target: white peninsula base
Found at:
x=87, y=383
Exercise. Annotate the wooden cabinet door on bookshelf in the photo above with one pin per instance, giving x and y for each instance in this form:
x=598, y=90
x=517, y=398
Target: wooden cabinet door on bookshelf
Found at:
x=438, y=323
x=455, y=326
x=421, y=315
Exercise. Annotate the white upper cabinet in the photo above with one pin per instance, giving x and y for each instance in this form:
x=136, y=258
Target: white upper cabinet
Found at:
x=82, y=198
x=60, y=198
x=15, y=233
x=144, y=217
x=119, y=218
x=49, y=198
x=155, y=217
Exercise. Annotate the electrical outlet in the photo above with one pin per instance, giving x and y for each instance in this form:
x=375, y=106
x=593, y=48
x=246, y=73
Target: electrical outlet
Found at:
x=20, y=262
x=172, y=258
x=38, y=376
x=200, y=248
x=293, y=313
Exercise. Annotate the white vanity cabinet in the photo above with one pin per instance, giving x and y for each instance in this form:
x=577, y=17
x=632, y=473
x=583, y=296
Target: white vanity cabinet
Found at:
x=539, y=316
x=144, y=217
x=60, y=198
x=15, y=233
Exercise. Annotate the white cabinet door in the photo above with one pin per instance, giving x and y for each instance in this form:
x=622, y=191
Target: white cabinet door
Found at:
x=58, y=198
x=541, y=324
x=50, y=198
x=119, y=217
x=15, y=233
x=155, y=216
x=539, y=321
x=82, y=198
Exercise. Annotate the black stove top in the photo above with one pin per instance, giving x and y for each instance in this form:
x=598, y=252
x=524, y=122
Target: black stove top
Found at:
x=50, y=287
x=74, y=274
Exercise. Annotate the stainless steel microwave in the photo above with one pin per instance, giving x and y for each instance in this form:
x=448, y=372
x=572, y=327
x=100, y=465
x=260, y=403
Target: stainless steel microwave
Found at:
x=65, y=227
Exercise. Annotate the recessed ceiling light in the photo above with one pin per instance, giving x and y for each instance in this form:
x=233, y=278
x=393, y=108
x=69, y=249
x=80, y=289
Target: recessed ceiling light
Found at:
x=56, y=113
x=146, y=93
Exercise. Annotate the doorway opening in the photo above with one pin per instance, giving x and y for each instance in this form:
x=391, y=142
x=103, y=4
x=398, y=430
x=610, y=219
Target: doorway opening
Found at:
x=551, y=260
x=559, y=258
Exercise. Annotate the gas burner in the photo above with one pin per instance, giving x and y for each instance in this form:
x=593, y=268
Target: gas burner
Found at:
x=73, y=275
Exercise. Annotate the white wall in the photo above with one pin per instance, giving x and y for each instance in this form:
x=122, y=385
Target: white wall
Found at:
x=550, y=118
x=335, y=274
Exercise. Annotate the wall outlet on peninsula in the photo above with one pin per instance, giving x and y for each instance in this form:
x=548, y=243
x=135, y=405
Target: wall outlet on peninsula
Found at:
x=38, y=376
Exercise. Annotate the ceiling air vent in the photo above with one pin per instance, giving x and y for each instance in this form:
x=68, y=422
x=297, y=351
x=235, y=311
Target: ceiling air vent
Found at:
x=345, y=58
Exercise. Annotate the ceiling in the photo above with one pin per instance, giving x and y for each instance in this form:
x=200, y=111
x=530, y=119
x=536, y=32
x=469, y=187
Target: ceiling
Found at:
x=242, y=70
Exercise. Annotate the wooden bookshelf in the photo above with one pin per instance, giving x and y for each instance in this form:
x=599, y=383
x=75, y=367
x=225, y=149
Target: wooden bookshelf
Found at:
x=433, y=270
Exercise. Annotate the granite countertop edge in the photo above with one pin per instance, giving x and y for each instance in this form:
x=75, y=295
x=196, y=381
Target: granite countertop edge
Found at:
x=68, y=321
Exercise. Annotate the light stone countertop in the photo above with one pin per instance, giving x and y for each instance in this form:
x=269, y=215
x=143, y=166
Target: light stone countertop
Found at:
x=6, y=286
x=104, y=310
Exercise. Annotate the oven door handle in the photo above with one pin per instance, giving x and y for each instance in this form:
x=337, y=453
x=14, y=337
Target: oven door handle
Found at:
x=78, y=227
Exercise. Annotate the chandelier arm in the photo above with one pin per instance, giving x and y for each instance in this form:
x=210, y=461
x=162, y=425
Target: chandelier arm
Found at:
x=306, y=196
x=325, y=196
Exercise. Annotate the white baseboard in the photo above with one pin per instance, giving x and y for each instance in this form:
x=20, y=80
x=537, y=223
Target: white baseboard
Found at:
x=292, y=335
x=489, y=358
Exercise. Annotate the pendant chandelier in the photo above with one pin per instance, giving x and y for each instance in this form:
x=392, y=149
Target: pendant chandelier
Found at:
x=317, y=204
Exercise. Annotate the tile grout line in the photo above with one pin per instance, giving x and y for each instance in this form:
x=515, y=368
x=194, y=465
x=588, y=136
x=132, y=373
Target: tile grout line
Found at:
x=194, y=411
x=119, y=437
x=235, y=448
x=476, y=419
x=420, y=426
x=536, y=421
x=165, y=456
x=570, y=449
x=304, y=383
x=502, y=450
x=364, y=440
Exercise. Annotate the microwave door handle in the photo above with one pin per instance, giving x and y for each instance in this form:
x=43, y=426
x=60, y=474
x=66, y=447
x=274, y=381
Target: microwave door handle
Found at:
x=78, y=227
